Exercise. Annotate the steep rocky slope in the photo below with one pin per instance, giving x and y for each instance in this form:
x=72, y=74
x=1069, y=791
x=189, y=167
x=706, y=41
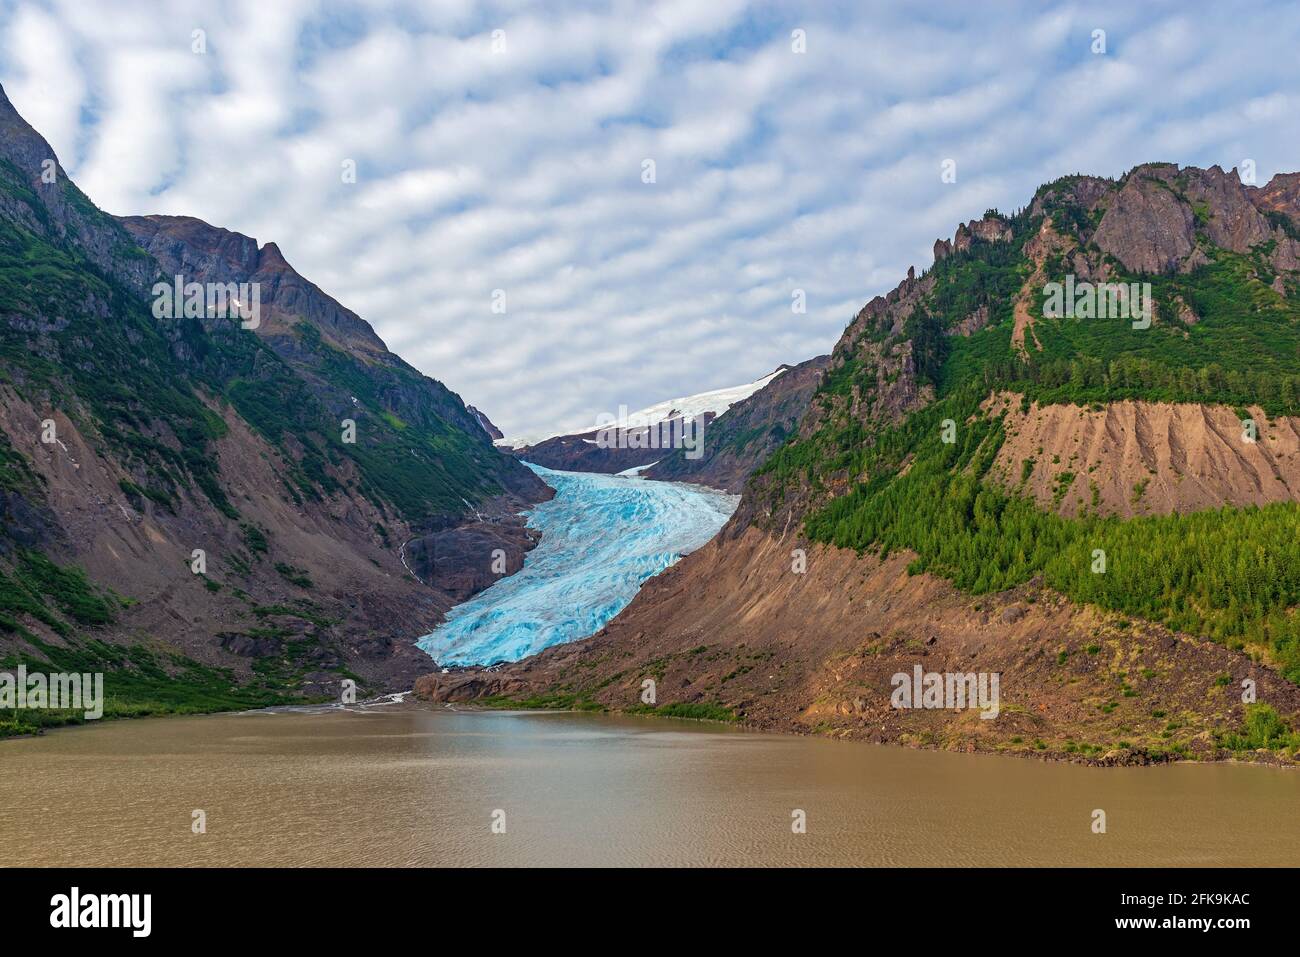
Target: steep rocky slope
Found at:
x=182, y=505
x=592, y=452
x=742, y=438
x=670, y=429
x=900, y=526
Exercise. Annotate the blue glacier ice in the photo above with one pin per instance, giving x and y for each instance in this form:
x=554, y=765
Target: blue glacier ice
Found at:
x=602, y=537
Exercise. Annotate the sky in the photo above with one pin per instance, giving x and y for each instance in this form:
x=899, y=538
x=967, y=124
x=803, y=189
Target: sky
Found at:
x=559, y=208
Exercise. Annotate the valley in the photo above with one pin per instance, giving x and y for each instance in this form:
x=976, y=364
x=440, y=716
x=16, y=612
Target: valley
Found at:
x=1099, y=511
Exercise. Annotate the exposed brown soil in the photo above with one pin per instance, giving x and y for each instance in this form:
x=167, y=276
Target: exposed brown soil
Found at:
x=733, y=625
x=143, y=551
x=1146, y=458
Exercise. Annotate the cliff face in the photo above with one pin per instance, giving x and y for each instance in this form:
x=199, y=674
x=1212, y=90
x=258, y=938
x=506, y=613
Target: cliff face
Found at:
x=348, y=368
x=242, y=501
x=662, y=434
x=965, y=459
x=618, y=451
x=741, y=439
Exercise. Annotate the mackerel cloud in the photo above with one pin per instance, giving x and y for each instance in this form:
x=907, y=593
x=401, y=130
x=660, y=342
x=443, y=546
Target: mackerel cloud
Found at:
x=521, y=170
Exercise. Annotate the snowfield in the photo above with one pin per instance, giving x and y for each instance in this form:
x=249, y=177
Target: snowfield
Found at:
x=691, y=406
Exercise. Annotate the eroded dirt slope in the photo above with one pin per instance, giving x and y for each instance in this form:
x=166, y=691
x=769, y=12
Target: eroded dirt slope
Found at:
x=734, y=625
x=1146, y=458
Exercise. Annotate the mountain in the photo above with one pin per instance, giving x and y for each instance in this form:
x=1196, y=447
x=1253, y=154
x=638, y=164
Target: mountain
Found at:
x=486, y=423
x=740, y=439
x=992, y=478
x=641, y=438
x=216, y=508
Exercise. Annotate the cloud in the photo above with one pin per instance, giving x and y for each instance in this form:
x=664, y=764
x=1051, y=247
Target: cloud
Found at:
x=522, y=170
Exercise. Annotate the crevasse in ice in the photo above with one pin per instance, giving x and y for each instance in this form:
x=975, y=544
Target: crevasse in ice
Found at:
x=602, y=537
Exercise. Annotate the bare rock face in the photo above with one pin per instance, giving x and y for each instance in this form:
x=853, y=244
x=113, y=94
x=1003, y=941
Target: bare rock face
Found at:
x=1281, y=195
x=488, y=426
x=1144, y=458
x=190, y=247
x=1147, y=227
x=1231, y=220
x=470, y=685
x=972, y=324
x=990, y=229
x=465, y=560
x=1153, y=223
x=742, y=438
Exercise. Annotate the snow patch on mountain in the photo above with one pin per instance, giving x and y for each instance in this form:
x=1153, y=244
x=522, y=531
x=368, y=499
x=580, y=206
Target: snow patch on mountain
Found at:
x=715, y=402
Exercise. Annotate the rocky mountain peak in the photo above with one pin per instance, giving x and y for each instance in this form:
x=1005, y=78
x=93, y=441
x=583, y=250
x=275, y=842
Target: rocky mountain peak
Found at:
x=184, y=245
x=20, y=144
x=1281, y=195
x=1160, y=218
x=991, y=228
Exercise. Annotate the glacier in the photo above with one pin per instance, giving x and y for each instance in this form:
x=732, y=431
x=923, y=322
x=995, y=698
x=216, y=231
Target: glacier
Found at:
x=602, y=537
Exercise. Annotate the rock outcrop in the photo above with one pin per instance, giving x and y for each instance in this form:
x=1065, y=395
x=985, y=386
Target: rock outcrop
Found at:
x=741, y=439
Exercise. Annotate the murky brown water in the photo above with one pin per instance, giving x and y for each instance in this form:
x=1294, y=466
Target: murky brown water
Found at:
x=409, y=787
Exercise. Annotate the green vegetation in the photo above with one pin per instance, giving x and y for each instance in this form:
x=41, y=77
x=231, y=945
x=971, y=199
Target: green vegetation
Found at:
x=692, y=710
x=1232, y=575
x=1265, y=729
x=59, y=597
x=295, y=576
x=559, y=701
x=138, y=680
x=254, y=539
x=408, y=451
x=128, y=381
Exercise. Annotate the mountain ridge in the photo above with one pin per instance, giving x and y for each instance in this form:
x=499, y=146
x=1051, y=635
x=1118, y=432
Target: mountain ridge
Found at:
x=650, y=433
x=877, y=540
x=218, y=516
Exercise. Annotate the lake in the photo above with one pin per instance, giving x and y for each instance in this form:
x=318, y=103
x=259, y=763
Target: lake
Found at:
x=400, y=785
